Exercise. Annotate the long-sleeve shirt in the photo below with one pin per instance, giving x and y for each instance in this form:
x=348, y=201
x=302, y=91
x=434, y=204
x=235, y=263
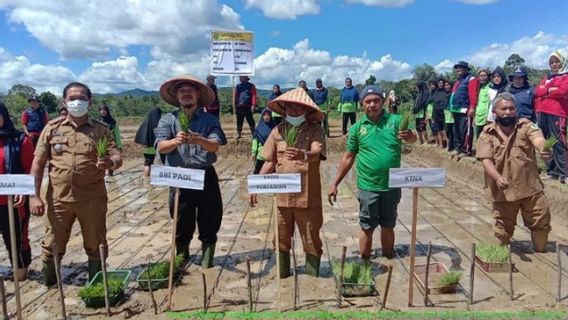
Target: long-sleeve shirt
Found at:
x=245, y=95
x=348, y=100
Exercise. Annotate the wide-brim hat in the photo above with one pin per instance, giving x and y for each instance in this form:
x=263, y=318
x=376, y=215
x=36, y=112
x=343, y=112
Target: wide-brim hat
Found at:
x=206, y=96
x=462, y=64
x=296, y=96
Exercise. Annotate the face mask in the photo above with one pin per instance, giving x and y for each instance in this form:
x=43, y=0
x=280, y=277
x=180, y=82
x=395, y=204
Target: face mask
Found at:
x=506, y=121
x=296, y=121
x=77, y=108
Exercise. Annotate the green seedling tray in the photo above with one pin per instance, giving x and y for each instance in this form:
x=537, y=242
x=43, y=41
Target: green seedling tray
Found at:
x=156, y=284
x=436, y=271
x=99, y=302
x=494, y=267
x=355, y=289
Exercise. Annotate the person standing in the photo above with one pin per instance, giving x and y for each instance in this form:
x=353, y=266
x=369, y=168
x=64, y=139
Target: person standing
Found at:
x=429, y=114
x=449, y=117
x=107, y=118
x=523, y=92
x=498, y=85
x=277, y=118
x=464, y=100
x=34, y=119
x=303, y=155
x=419, y=110
x=76, y=185
x=551, y=99
x=392, y=103
x=195, y=149
x=506, y=149
x=302, y=84
x=375, y=144
x=348, y=104
x=261, y=133
x=245, y=102
x=145, y=136
x=215, y=107
x=320, y=96
x=439, y=100
x=483, y=102
x=16, y=156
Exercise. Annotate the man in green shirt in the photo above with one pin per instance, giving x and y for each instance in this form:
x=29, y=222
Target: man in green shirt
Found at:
x=375, y=143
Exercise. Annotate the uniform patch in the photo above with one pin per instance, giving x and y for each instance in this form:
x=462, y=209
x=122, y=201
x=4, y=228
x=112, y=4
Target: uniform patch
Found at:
x=362, y=131
x=534, y=127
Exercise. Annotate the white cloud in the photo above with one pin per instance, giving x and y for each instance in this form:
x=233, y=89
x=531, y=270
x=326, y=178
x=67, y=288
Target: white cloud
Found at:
x=534, y=50
x=79, y=29
x=278, y=9
x=444, y=66
x=114, y=76
x=287, y=66
x=383, y=3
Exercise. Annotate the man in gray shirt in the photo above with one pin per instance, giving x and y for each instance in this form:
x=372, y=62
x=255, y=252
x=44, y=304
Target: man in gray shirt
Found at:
x=193, y=147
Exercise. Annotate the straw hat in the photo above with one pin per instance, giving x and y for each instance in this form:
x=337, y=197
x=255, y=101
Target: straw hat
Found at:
x=296, y=96
x=168, y=91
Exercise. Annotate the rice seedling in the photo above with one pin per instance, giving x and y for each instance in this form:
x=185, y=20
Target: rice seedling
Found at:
x=183, y=121
x=549, y=143
x=161, y=270
x=404, y=122
x=354, y=272
x=102, y=147
x=291, y=134
x=97, y=290
x=492, y=253
x=450, y=278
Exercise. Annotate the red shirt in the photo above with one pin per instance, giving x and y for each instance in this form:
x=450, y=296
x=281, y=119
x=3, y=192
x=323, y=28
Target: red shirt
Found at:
x=552, y=102
x=26, y=158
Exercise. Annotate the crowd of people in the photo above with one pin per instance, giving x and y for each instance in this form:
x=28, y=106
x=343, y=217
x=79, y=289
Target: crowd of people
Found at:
x=507, y=118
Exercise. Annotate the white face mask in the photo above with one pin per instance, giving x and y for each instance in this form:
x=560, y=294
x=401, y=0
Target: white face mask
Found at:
x=77, y=108
x=296, y=121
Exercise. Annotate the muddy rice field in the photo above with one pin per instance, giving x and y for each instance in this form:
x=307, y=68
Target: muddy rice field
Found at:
x=450, y=218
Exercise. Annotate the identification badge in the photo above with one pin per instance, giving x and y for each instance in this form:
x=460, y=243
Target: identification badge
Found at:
x=58, y=148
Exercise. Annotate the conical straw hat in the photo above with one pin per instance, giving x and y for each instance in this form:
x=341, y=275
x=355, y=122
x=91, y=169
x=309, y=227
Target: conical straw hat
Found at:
x=296, y=96
x=168, y=91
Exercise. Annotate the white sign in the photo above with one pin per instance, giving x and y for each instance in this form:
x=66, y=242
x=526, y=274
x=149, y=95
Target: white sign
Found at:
x=177, y=177
x=275, y=183
x=232, y=53
x=417, y=178
x=12, y=184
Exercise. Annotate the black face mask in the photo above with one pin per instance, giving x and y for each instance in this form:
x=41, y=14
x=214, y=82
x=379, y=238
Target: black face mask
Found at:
x=506, y=121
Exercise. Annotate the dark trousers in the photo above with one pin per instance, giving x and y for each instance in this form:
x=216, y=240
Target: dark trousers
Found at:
x=325, y=123
x=21, y=220
x=257, y=166
x=463, y=133
x=348, y=116
x=450, y=134
x=555, y=126
x=204, y=206
x=243, y=113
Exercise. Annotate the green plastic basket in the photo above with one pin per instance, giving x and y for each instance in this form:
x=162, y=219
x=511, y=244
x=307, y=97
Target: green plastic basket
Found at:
x=99, y=302
x=156, y=284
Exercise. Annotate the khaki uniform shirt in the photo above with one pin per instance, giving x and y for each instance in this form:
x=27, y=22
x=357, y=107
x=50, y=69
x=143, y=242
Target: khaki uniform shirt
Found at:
x=514, y=159
x=273, y=151
x=72, y=155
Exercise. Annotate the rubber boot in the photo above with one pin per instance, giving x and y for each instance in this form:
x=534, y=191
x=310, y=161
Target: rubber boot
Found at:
x=183, y=250
x=208, y=253
x=539, y=240
x=48, y=271
x=94, y=266
x=312, y=265
x=284, y=259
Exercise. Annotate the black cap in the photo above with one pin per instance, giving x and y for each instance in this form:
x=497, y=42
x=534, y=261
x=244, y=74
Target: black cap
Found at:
x=462, y=64
x=33, y=97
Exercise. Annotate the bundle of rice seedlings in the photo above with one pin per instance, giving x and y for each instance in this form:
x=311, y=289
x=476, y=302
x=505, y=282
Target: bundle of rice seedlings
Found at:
x=404, y=122
x=183, y=121
x=291, y=134
x=549, y=143
x=102, y=147
x=492, y=253
x=450, y=278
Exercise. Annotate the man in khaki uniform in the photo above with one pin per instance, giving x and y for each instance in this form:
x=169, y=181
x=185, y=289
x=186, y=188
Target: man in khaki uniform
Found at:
x=304, y=157
x=506, y=149
x=76, y=186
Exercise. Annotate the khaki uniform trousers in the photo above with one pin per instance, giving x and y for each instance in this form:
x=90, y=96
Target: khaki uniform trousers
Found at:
x=59, y=223
x=536, y=217
x=309, y=222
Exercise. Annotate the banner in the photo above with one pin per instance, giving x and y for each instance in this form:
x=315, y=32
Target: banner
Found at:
x=275, y=183
x=177, y=177
x=13, y=184
x=232, y=53
x=417, y=178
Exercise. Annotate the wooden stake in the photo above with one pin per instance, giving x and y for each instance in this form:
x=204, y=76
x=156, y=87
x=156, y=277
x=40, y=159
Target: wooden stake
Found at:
x=413, y=246
x=510, y=274
x=341, y=268
x=277, y=250
x=154, y=304
x=427, y=273
x=204, y=291
x=15, y=259
x=173, y=249
x=296, y=288
x=249, y=285
x=3, y=296
x=105, y=279
x=471, y=273
x=387, y=286
x=57, y=263
x=559, y=259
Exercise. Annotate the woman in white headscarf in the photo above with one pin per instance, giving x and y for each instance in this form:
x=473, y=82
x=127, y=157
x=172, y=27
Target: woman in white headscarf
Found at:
x=551, y=104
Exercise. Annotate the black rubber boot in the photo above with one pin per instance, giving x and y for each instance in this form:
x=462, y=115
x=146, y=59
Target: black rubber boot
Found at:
x=94, y=266
x=207, y=255
x=284, y=259
x=48, y=271
x=312, y=265
x=183, y=250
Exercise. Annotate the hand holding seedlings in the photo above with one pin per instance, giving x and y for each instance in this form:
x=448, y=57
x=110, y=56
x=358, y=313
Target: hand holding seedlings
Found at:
x=181, y=138
x=546, y=151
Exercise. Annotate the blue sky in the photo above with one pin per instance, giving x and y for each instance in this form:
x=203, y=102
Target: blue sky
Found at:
x=116, y=45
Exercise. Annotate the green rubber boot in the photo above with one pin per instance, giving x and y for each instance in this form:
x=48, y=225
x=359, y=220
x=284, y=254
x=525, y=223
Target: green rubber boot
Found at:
x=48, y=271
x=312, y=265
x=284, y=259
x=208, y=253
x=94, y=267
